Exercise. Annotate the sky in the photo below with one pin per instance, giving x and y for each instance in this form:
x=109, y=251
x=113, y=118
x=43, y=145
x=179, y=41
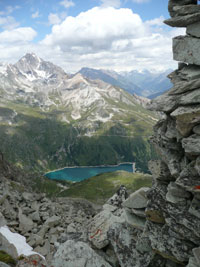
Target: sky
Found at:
x=120, y=35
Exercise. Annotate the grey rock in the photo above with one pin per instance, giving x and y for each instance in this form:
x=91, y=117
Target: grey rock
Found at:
x=197, y=165
x=186, y=9
x=134, y=220
x=196, y=252
x=2, y=220
x=191, y=145
x=171, y=248
x=137, y=200
x=183, y=21
x=43, y=230
x=186, y=118
x=176, y=194
x=71, y=228
x=184, y=86
x=174, y=3
x=124, y=238
x=35, y=240
x=35, y=216
x=53, y=221
x=195, y=208
x=28, y=196
x=189, y=73
x=45, y=250
x=159, y=170
x=138, y=212
x=192, y=262
x=77, y=254
x=100, y=224
x=165, y=103
x=2, y=264
x=194, y=29
x=186, y=49
x=196, y=129
x=25, y=223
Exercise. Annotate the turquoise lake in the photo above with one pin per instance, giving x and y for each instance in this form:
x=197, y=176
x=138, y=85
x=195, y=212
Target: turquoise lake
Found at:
x=77, y=174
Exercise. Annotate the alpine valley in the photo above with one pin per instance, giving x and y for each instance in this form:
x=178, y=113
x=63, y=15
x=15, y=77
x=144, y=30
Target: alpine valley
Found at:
x=50, y=119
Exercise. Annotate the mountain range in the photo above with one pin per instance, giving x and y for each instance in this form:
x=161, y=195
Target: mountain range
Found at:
x=49, y=119
x=143, y=83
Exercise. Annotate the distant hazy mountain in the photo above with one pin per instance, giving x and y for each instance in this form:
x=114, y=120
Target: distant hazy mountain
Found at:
x=49, y=119
x=144, y=83
x=151, y=83
x=111, y=77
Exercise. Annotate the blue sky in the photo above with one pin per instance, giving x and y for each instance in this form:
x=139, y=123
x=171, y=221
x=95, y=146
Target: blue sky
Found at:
x=111, y=34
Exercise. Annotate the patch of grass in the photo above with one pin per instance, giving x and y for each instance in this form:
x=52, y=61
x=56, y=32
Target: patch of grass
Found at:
x=100, y=188
x=51, y=188
x=6, y=258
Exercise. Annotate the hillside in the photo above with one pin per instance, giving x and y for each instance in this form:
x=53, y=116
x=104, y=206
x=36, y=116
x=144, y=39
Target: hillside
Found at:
x=100, y=188
x=50, y=120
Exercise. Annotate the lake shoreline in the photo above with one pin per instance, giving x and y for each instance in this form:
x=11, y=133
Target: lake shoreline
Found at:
x=99, y=166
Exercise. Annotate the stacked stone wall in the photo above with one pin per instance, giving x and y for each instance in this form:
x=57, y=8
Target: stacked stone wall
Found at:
x=176, y=191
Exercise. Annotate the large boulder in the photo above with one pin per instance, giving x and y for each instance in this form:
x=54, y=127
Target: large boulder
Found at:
x=77, y=254
x=100, y=224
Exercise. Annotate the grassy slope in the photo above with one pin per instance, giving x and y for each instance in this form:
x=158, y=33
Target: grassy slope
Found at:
x=39, y=140
x=101, y=187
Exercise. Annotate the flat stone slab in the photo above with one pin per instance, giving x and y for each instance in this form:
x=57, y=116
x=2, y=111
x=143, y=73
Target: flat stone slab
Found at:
x=186, y=49
x=183, y=21
x=194, y=29
x=186, y=9
x=135, y=221
x=137, y=200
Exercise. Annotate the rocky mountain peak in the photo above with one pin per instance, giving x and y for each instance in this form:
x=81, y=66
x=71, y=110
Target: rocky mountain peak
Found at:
x=29, y=62
x=33, y=67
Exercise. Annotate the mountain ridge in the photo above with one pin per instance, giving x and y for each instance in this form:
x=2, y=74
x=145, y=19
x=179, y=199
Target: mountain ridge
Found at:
x=145, y=84
x=72, y=116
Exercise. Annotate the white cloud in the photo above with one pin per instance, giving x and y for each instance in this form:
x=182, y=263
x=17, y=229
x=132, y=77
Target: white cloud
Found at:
x=35, y=15
x=103, y=37
x=19, y=35
x=54, y=19
x=8, y=23
x=156, y=21
x=112, y=3
x=67, y=3
x=95, y=30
